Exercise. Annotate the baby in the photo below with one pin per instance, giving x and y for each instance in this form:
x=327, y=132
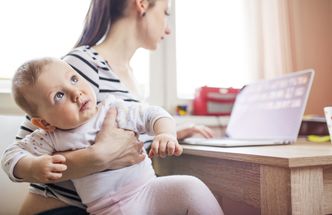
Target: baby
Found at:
x=63, y=105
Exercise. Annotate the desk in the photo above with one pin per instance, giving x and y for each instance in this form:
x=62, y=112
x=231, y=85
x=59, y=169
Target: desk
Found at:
x=288, y=179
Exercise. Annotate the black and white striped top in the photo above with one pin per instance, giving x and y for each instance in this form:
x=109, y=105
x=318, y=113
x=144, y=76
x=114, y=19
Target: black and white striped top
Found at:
x=96, y=70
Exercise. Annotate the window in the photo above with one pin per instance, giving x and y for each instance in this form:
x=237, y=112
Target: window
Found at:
x=38, y=28
x=211, y=45
x=208, y=44
x=140, y=64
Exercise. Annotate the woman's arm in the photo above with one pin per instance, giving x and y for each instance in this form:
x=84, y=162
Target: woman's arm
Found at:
x=114, y=148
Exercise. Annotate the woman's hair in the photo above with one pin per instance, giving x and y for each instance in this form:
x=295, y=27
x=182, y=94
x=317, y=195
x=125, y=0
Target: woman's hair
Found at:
x=100, y=16
x=26, y=76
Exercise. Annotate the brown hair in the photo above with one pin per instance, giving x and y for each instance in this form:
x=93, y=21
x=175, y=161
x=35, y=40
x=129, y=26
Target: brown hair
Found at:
x=26, y=76
x=100, y=16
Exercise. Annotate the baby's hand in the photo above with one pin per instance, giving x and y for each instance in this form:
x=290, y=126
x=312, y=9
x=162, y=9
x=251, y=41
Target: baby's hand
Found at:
x=165, y=145
x=47, y=168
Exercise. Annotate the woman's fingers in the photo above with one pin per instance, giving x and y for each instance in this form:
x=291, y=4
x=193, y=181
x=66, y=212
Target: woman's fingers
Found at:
x=140, y=146
x=117, y=147
x=195, y=129
x=141, y=156
x=203, y=130
x=110, y=118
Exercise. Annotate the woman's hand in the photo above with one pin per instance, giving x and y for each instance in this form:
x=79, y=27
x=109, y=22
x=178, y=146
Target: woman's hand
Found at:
x=117, y=148
x=195, y=129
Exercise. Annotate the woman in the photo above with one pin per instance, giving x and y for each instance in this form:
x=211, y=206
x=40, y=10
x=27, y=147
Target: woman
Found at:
x=125, y=25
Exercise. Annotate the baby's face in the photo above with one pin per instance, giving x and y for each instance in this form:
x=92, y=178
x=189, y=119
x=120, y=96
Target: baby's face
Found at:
x=64, y=98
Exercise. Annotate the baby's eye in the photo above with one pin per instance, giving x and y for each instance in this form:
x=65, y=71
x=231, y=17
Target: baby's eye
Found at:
x=58, y=96
x=74, y=79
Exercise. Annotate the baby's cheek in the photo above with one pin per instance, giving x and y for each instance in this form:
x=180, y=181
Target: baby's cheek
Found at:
x=69, y=117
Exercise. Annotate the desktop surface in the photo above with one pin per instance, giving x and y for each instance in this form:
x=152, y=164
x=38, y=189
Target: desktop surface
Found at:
x=293, y=155
x=285, y=179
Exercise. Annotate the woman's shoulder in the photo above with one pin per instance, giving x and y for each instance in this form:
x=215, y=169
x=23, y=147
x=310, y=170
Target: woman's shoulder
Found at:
x=86, y=57
x=86, y=52
x=82, y=53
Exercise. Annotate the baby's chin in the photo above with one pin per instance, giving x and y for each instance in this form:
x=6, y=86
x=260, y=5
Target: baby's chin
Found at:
x=91, y=113
x=78, y=123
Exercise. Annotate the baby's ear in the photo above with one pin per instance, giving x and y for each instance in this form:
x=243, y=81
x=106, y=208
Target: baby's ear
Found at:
x=40, y=123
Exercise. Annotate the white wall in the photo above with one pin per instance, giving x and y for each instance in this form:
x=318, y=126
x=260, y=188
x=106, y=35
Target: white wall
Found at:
x=11, y=194
x=7, y=103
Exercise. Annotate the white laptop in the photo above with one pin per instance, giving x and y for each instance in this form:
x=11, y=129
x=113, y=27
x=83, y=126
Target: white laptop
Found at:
x=268, y=112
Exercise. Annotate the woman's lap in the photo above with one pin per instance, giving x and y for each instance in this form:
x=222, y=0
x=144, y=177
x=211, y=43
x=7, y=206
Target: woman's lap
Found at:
x=36, y=204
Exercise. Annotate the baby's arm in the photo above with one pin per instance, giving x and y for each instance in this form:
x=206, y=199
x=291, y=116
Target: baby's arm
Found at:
x=155, y=121
x=44, y=168
x=35, y=162
x=165, y=141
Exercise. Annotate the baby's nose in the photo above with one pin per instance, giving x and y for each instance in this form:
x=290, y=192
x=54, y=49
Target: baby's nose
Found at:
x=76, y=95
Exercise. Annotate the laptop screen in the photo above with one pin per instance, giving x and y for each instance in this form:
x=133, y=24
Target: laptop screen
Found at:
x=271, y=109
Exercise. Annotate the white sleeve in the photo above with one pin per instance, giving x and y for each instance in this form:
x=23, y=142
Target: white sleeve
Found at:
x=10, y=157
x=37, y=143
x=139, y=117
x=13, y=153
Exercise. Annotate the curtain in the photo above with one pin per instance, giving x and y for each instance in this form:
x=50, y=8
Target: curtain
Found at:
x=269, y=31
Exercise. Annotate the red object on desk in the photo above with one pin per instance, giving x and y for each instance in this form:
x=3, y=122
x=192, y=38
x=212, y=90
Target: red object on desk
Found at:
x=214, y=101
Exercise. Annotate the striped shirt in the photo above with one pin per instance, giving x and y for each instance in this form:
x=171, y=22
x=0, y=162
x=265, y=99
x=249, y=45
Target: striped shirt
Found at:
x=96, y=70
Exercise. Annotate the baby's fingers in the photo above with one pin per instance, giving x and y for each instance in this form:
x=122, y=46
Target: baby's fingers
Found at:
x=58, y=168
x=163, y=145
x=151, y=153
x=58, y=158
x=154, y=148
x=178, y=150
x=54, y=176
x=170, y=148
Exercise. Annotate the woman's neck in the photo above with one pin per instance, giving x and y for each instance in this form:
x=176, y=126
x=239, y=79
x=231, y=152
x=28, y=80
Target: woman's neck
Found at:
x=118, y=48
x=120, y=44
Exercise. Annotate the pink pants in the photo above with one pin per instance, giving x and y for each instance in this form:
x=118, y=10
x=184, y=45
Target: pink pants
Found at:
x=169, y=195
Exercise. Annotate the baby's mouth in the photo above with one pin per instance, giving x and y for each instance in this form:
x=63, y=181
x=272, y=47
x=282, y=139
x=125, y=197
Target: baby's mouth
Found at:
x=84, y=105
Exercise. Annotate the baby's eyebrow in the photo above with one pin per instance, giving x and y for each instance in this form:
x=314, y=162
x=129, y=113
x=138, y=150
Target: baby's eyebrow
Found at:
x=69, y=73
x=49, y=94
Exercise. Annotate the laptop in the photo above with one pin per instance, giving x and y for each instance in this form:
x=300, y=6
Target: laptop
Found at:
x=267, y=112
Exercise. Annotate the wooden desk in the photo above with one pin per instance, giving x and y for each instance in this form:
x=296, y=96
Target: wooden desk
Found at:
x=292, y=179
